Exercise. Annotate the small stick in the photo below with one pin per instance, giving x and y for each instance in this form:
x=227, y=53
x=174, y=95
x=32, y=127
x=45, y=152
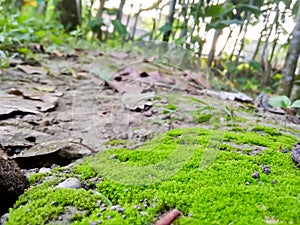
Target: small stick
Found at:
x=83, y=145
x=169, y=217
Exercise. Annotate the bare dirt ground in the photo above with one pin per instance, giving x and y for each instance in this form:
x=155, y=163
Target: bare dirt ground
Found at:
x=92, y=98
x=58, y=107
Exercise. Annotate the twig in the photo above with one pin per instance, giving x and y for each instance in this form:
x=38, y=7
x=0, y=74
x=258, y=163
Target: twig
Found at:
x=169, y=217
x=84, y=145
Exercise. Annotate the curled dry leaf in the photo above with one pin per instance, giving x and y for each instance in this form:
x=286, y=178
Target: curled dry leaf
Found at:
x=32, y=69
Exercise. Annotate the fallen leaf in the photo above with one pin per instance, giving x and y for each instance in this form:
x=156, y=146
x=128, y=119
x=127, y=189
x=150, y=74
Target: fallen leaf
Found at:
x=32, y=69
x=119, y=55
x=138, y=102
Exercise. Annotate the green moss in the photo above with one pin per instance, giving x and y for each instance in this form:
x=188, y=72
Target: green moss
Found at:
x=224, y=193
x=42, y=204
x=115, y=142
x=269, y=130
x=36, y=177
x=85, y=170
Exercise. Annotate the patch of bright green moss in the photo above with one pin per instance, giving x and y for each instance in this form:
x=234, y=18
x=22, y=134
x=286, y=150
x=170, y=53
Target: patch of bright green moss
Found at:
x=115, y=142
x=224, y=193
x=269, y=130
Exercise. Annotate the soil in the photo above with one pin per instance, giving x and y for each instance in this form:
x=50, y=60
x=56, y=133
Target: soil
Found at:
x=61, y=97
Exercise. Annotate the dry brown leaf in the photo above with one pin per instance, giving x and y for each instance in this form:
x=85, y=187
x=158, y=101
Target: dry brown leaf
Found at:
x=32, y=69
x=119, y=55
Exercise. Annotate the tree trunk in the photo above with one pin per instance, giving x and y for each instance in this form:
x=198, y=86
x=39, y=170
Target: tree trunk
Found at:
x=212, y=51
x=70, y=13
x=99, y=15
x=288, y=72
x=183, y=31
x=170, y=20
x=120, y=10
x=245, y=28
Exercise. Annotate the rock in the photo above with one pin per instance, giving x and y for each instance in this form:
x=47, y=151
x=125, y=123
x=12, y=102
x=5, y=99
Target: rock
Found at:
x=112, y=157
x=121, y=210
x=266, y=169
x=114, y=207
x=4, y=218
x=44, y=170
x=296, y=154
x=138, y=207
x=286, y=150
x=255, y=175
x=69, y=183
x=12, y=182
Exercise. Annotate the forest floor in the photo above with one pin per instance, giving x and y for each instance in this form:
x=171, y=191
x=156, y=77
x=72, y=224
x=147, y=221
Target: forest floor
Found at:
x=146, y=138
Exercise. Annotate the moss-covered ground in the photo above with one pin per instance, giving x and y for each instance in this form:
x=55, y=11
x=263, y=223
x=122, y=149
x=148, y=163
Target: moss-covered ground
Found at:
x=166, y=173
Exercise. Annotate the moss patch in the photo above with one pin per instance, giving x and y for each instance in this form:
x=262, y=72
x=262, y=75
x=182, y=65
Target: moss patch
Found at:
x=224, y=193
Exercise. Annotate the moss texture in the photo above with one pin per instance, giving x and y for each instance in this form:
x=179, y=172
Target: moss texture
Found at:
x=164, y=174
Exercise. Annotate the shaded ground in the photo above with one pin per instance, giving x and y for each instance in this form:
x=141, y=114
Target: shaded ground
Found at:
x=58, y=107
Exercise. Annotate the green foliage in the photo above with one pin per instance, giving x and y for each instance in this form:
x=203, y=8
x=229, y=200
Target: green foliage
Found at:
x=283, y=102
x=120, y=28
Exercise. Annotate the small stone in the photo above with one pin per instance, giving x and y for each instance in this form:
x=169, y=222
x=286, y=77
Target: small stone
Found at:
x=112, y=157
x=255, y=175
x=99, y=202
x=53, y=203
x=103, y=209
x=69, y=183
x=138, y=207
x=98, y=215
x=143, y=213
x=190, y=214
x=93, y=223
x=60, y=218
x=247, y=183
x=108, y=217
x=53, y=166
x=286, y=150
x=148, y=113
x=99, y=222
x=44, y=170
x=145, y=205
x=4, y=218
x=127, y=190
x=120, y=210
x=124, y=216
x=266, y=169
x=114, y=207
x=274, y=181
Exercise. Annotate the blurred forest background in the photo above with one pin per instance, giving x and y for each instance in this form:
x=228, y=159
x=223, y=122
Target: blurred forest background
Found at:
x=251, y=45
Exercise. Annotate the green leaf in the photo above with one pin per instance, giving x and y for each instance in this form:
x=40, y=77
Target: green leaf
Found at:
x=165, y=28
x=120, y=28
x=255, y=65
x=280, y=102
x=223, y=23
x=296, y=104
x=250, y=8
x=214, y=10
